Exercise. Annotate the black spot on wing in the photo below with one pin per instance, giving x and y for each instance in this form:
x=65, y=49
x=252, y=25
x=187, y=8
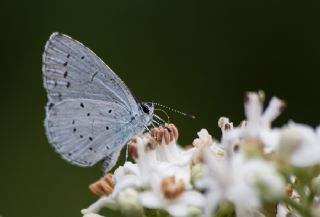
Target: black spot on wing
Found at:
x=50, y=106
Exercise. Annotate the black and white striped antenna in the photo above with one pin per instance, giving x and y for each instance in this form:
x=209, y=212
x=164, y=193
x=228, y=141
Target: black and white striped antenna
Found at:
x=175, y=110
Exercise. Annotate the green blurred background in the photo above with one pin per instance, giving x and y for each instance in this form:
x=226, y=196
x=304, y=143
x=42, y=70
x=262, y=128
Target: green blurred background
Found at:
x=196, y=56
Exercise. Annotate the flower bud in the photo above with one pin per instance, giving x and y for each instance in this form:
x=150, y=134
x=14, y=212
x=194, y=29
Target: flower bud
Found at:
x=92, y=215
x=196, y=171
x=224, y=122
x=129, y=203
x=315, y=184
x=315, y=210
x=194, y=212
x=290, y=141
x=205, y=139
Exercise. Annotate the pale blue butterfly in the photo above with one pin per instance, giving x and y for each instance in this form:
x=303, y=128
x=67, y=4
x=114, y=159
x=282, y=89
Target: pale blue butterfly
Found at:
x=91, y=114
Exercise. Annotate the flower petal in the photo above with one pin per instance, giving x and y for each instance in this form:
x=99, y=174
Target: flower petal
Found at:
x=150, y=200
x=106, y=201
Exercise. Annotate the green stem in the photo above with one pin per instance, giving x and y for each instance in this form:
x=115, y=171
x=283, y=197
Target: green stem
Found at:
x=296, y=206
x=162, y=214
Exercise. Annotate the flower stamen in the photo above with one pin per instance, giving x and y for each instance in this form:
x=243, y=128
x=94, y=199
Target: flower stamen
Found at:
x=171, y=188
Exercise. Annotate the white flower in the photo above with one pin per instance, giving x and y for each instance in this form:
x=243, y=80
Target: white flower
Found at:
x=237, y=170
x=92, y=215
x=301, y=143
x=258, y=125
x=256, y=117
x=168, y=173
x=206, y=142
x=256, y=129
x=125, y=200
x=241, y=181
x=316, y=185
x=225, y=126
x=205, y=139
x=282, y=210
x=168, y=192
x=129, y=203
x=105, y=201
x=165, y=158
x=173, y=154
x=285, y=211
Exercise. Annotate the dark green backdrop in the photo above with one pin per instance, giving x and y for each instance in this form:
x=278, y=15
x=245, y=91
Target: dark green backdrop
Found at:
x=196, y=56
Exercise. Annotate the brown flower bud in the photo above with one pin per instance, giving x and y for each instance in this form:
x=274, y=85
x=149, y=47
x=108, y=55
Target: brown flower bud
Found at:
x=166, y=133
x=132, y=149
x=103, y=186
x=152, y=144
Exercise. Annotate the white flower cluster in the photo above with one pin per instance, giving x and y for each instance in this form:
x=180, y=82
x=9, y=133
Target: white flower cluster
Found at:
x=254, y=170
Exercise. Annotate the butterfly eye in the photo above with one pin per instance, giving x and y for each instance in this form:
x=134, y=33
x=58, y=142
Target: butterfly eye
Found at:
x=145, y=109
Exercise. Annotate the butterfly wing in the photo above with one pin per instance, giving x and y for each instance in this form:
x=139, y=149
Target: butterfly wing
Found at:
x=83, y=131
x=71, y=70
x=110, y=160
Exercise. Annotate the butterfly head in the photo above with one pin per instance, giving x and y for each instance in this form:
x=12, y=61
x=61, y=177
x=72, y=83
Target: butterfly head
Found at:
x=147, y=109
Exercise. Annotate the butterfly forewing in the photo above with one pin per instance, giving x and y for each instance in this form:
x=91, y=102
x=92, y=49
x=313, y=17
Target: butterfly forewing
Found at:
x=91, y=113
x=85, y=131
x=71, y=70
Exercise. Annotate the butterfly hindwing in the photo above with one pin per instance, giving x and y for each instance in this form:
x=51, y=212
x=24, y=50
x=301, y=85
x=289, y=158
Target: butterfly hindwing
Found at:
x=84, y=131
x=73, y=71
x=110, y=160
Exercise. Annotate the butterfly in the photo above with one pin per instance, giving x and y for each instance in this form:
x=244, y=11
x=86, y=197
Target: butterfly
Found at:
x=91, y=114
